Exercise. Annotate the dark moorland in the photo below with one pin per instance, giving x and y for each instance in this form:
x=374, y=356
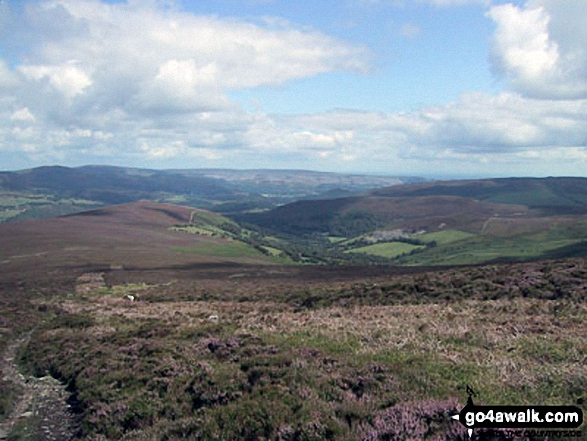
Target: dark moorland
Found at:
x=165, y=322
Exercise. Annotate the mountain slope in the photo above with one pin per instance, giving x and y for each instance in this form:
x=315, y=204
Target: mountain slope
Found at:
x=358, y=215
x=551, y=195
x=112, y=185
x=464, y=205
x=135, y=235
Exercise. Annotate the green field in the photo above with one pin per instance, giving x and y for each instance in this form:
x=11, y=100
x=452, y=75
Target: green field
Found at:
x=201, y=230
x=389, y=250
x=272, y=251
x=484, y=249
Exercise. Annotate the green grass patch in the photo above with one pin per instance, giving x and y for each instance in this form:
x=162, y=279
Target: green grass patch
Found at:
x=206, y=218
x=272, y=251
x=389, y=250
x=348, y=345
x=201, y=231
x=486, y=249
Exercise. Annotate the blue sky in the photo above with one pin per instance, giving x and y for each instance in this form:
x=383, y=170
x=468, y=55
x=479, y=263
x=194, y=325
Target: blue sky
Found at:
x=400, y=87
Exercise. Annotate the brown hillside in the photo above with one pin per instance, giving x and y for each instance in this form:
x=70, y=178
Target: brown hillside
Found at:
x=428, y=212
x=134, y=235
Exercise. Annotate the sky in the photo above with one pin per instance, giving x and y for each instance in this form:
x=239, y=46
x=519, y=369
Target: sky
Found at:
x=434, y=88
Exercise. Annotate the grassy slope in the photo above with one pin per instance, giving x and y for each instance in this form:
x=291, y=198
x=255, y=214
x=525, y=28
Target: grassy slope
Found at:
x=461, y=248
x=444, y=237
x=388, y=249
x=238, y=245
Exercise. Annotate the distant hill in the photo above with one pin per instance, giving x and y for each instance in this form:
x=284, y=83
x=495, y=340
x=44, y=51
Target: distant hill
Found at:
x=551, y=195
x=112, y=185
x=52, y=191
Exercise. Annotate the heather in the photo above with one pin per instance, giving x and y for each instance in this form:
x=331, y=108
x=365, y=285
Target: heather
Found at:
x=245, y=353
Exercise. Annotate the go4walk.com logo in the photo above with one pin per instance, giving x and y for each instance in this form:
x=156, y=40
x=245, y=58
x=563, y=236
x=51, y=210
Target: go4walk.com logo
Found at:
x=560, y=418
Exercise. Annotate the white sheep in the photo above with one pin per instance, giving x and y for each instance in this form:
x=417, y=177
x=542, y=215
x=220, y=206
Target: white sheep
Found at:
x=131, y=298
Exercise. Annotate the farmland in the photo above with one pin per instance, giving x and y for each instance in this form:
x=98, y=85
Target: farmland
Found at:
x=388, y=249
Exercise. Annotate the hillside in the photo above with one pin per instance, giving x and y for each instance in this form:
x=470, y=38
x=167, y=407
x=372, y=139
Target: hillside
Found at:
x=134, y=235
x=550, y=195
x=216, y=351
x=53, y=191
x=358, y=215
x=110, y=185
x=454, y=222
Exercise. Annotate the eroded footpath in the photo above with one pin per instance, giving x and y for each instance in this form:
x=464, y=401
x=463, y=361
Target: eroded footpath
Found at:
x=40, y=410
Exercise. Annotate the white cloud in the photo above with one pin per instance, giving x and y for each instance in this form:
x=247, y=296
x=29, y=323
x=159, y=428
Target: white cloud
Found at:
x=105, y=74
x=181, y=85
x=540, y=47
x=165, y=151
x=145, y=84
x=23, y=115
x=66, y=78
x=107, y=65
x=137, y=41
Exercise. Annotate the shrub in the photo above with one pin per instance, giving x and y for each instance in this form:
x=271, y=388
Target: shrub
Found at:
x=428, y=420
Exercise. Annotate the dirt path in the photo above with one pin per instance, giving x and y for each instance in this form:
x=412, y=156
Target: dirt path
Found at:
x=485, y=224
x=40, y=411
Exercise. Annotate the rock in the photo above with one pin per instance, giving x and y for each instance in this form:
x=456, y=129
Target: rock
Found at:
x=26, y=415
x=3, y=434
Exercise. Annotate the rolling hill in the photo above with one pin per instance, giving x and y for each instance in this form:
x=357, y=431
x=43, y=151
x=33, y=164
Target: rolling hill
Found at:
x=111, y=185
x=54, y=191
x=551, y=195
x=134, y=235
x=482, y=221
